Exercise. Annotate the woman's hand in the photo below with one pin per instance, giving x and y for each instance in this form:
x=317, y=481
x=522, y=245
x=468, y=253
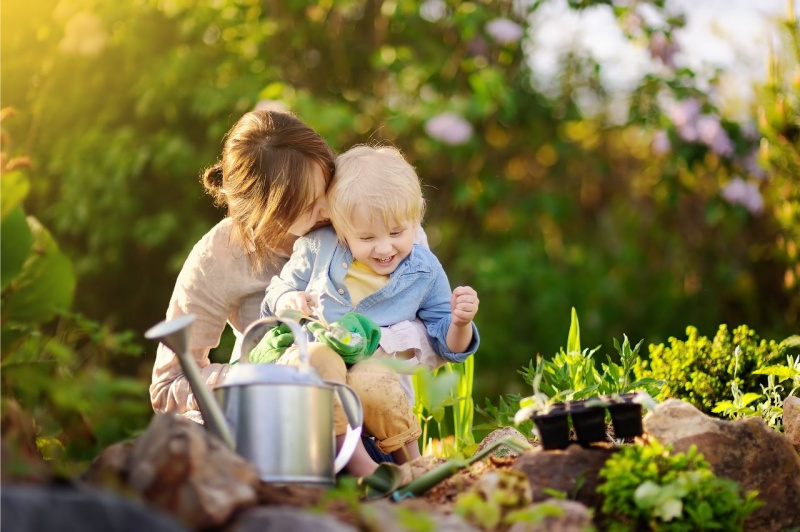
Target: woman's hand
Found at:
x=298, y=300
x=464, y=305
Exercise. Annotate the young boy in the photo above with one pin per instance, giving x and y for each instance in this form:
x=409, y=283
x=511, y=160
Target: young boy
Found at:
x=375, y=268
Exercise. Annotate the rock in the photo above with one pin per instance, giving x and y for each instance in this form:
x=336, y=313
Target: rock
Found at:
x=110, y=468
x=26, y=508
x=385, y=516
x=178, y=467
x=574, y=517
x=502, y=451
x=573, y=471
x=747, y=451
x=791, y=420
x=286, y=519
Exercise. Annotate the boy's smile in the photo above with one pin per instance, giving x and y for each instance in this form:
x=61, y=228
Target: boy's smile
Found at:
x=377, y=246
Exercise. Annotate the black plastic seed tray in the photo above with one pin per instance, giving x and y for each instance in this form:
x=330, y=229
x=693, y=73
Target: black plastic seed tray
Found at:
x=588, y=420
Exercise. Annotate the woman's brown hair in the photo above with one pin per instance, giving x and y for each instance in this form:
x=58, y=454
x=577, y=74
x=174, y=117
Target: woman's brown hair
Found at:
x=264, y=177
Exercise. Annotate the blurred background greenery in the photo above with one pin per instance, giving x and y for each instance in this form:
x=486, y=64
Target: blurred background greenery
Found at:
x=664, y=215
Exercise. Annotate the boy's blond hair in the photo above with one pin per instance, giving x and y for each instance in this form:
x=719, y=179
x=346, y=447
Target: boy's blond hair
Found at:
x=378, y=178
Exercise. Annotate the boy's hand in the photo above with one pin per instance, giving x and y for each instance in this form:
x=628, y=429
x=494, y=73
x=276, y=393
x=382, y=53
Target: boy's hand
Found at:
x=299, y=300
x=464, y=304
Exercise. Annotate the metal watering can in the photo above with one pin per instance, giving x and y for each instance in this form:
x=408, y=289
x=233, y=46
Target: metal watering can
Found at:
x=280, y=418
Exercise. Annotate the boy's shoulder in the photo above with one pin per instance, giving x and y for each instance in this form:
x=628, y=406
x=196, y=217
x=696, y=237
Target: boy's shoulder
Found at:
x=317, y=240
x=425, y=257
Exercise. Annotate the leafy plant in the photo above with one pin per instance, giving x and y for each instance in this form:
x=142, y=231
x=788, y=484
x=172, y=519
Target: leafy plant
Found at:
x=55, y=363
x=702, y=371
x=448, y=387
x=647, y=488
x=769, y=403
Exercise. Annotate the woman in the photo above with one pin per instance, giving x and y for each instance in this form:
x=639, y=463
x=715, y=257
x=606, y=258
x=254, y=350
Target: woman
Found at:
x=272, y=177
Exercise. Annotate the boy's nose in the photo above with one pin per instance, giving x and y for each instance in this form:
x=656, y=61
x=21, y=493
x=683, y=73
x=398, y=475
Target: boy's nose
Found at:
x=383, y=247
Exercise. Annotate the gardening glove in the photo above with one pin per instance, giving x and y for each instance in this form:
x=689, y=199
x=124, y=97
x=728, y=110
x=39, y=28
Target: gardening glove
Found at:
x=272, y=345
x=354, y=336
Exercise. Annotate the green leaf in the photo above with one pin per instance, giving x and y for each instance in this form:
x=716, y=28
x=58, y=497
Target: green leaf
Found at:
x=15, y=244
x=782, y=372
x=14, y=187
x=45, y=285
x=574, y=338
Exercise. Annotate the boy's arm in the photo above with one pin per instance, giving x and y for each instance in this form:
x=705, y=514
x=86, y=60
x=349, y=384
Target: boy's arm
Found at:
x=436, y=313
x=294, y=276
x=463, y=305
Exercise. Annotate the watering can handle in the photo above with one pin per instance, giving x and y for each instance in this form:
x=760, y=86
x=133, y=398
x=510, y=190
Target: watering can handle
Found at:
x=354, y=412
x=249, y=341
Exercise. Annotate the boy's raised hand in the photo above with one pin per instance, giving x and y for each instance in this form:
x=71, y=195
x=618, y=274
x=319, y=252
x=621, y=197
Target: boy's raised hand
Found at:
x=299, y=300
x=464, y=304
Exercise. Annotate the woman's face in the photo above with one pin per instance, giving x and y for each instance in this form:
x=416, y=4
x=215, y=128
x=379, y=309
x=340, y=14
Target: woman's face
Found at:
x=315, y=214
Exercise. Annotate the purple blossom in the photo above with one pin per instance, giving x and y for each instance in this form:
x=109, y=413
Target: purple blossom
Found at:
x=740, y=192
x=661, y=144
x=752, y=166
x=712, y=135
x=449, y=128
x=662, y=48
x=685, y=112
x=504, y=31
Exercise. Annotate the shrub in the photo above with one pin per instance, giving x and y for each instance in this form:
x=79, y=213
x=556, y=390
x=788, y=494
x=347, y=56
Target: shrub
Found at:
x=701, y=370
x=646, y=488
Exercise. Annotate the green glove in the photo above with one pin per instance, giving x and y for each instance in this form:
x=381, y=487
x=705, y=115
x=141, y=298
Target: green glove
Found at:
x=272, y=345
x=354, y=336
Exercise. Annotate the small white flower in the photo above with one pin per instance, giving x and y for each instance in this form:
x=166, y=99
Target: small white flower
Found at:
x=433, y=10
x=449, y=128
x=504, y=31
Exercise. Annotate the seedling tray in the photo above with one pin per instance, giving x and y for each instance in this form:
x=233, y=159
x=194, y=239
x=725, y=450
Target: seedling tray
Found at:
x=588, y=420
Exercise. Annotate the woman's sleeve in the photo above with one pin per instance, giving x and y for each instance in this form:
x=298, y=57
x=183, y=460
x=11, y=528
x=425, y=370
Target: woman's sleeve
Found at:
x=294, y=276
x=202, y=290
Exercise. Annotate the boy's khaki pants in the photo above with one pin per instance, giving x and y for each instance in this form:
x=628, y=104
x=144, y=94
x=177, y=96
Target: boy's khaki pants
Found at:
x=388, y=416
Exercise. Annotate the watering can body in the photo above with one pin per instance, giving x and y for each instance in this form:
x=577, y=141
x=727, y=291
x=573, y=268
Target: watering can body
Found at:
x=284, y=426
x=279, y=418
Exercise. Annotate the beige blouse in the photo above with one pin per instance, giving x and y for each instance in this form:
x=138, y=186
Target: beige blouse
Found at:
x=217, y=285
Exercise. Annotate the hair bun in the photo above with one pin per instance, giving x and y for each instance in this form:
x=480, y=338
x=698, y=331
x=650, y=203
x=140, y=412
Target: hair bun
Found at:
x=212, y=178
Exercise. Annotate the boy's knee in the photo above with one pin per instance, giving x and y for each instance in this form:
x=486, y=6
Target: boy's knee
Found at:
x=324, y=360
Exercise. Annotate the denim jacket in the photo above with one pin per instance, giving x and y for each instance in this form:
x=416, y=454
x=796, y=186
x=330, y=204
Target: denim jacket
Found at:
x=417, y=288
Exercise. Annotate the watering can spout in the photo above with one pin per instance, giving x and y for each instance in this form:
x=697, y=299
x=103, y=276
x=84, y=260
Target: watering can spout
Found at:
x=175, y=335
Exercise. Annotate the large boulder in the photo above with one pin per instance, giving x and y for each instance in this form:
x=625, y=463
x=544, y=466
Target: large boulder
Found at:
x=286, y=519
x=573, y=471
x=791, y=420
x=179, y=467
x=561, y=515
x=747, y=451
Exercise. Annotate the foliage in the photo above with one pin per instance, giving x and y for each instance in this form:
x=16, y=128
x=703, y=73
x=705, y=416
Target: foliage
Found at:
x=56, y=365
x=701, y=370
x=500, y=499
x=768, y=403
x=443, y=389
x=560, y=206
x=573, y=375
x=647, y=488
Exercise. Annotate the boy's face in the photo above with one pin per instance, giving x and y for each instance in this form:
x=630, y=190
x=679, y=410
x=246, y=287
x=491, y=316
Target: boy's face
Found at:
x=379, y=247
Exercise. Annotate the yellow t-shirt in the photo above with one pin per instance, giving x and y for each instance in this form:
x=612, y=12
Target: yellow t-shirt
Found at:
x=361, y=281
